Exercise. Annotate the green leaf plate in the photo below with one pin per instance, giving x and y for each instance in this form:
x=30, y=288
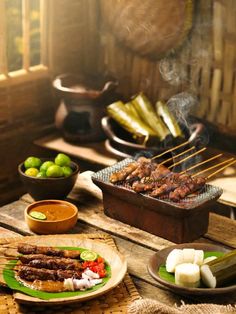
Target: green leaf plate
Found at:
x=9, y=277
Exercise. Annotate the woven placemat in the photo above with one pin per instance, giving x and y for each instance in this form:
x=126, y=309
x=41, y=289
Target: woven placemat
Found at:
x=115, y=301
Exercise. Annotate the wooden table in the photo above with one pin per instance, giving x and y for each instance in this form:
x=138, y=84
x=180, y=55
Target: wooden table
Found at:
x=137, y=245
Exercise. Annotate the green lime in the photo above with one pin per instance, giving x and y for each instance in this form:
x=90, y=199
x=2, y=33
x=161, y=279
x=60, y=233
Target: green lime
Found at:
x=67, y=171
x=37, y=215
x=41, y=174
x=32, y=172
x=62, y=160
x=54, y=171
x=32, y=162
x=88, y=255
x=44, y=167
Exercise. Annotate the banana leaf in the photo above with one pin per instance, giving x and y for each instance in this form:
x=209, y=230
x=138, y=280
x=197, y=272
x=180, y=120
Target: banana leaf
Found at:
x=148, y=114
x=163, y=111
x=142, y=133
x=14, y=284
x=130, y=107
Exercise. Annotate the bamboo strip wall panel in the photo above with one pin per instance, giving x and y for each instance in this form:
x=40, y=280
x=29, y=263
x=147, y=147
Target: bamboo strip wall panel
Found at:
x=207, y=56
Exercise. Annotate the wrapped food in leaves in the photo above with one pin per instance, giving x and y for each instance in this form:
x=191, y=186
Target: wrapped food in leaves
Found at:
x=148, y=114
x=169, y=119
x=141, y=132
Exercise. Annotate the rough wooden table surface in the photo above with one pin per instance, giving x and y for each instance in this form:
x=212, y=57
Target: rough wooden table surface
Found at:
x=137, y=245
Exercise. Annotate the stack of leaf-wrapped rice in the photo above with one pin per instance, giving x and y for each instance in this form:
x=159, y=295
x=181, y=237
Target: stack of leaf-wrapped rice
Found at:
x=148, y=125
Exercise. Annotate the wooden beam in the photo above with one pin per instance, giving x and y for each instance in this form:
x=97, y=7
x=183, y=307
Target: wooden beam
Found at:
x=26, y=34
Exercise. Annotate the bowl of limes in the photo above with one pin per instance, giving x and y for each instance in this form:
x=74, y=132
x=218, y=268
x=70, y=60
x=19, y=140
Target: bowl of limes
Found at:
x=48, y=178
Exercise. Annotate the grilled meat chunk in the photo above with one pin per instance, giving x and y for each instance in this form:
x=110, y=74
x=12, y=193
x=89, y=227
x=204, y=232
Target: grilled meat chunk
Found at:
x=187, y=188
x=31, y=274
x=34, y=249
x=55, y=263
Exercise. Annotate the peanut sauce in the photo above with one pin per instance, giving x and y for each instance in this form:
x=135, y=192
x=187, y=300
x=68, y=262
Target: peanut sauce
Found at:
x=43, y=285
x=55, y=211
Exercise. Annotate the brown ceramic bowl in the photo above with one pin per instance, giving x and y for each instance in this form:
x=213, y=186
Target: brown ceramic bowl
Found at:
x=61, y=217
x=48, y=188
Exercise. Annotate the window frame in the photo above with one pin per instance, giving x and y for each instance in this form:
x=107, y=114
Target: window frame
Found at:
x=27, y=72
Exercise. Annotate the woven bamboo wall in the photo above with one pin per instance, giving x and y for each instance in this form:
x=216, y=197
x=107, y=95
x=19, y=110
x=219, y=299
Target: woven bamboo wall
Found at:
x=206, y=63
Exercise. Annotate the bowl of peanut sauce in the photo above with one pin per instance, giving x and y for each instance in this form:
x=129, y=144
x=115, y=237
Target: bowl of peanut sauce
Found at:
x=51, y=216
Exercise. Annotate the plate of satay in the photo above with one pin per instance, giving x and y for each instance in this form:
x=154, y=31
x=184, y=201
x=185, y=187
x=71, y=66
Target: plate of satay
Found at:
x=59, y=270
x=195, y=269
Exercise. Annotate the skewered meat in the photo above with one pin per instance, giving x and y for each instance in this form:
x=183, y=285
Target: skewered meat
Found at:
x=34, y=249
x=144, y=169
x=170, y=183
x=152, y=182
x=55, y=263
x=158, y=181
x=25, y=259
x=122, y=174
x=187, y=188
x=31, y=274
x=160, y=172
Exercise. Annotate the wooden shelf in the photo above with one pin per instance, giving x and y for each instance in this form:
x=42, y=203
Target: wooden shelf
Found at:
x=94, y=153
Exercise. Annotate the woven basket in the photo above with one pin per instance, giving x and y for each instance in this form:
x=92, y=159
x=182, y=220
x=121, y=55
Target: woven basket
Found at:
x=150, y=28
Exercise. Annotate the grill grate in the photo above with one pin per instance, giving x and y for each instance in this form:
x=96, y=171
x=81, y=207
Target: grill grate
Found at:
x=208, y=193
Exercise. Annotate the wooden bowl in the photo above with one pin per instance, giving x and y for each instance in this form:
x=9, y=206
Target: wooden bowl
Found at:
x=59, y=225
x=48, y=188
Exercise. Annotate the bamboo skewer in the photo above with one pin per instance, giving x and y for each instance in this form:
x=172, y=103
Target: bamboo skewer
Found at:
x=219, y=170
x=201, y=163
x=188, y=157
x=170, y=150
x=180, y=154
x=213, y=167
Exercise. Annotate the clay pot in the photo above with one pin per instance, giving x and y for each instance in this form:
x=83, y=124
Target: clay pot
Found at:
x=82, y=106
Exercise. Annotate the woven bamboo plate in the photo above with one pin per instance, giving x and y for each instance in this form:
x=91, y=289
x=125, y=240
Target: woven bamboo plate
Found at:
x=120, y=293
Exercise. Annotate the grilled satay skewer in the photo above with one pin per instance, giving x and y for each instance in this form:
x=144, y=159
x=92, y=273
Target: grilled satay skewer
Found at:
x=31, y=274
x=48, y=262
x=152, y=170
x=188, y=188
x=153, y=181
x=197, y=182
x=24, y=248
x=122, y=174
x=170, y=184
